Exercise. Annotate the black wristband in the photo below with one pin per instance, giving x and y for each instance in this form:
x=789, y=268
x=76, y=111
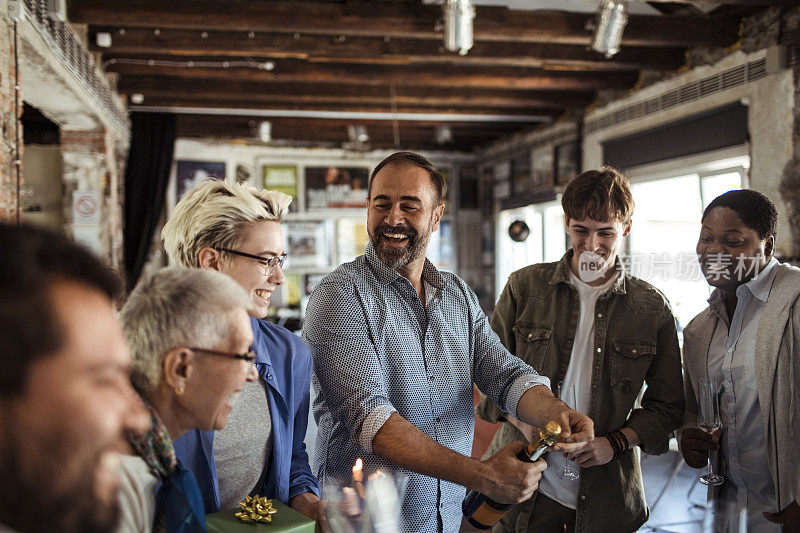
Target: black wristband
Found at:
x=619, y=443
x=615, y=446
x=625, y=441
x=622, y=442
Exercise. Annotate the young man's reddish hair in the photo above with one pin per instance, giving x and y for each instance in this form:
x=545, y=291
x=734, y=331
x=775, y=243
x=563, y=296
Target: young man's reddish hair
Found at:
x=603, y=195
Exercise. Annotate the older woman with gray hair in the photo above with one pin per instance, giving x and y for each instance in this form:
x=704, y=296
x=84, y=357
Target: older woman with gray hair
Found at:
x=190, y=336
x=236, y=229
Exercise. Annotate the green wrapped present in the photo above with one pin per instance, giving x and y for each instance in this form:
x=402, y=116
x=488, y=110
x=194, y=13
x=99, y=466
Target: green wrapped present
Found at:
x=286, y=520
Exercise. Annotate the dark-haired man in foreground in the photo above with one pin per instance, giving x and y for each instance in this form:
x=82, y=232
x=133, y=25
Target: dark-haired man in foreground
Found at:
x=397, y=346
x=65, y=393
x=585, y=323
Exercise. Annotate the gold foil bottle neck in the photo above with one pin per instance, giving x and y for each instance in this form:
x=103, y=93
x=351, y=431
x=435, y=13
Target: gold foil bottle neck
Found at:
x=551, y=433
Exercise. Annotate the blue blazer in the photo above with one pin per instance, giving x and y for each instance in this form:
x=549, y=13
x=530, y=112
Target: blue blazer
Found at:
x=285, y=364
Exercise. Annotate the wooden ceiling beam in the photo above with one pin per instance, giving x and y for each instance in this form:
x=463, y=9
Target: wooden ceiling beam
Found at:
x=316, y=48
x=300, y=122
x=382, y=75
x=393, y=20
x=452, y=108
x=302, y=132
x=764, y=3
x=224, y=93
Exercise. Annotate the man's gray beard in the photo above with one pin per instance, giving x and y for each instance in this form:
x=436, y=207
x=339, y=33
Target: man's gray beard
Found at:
x=400, y=258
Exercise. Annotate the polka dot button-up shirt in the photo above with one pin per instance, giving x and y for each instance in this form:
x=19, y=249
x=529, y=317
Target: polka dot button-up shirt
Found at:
x=377, y=350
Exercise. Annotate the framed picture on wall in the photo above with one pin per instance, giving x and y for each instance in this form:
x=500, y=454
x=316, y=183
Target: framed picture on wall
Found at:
x=485, y=191
x=440, y=247
x=306, y=243
x=282, y=178
x=189, y=174
x=336, y=187
x=311, y=281
x=468, y=188
x=521, y=173
x=445, y=172
x=566, y=161
x=502, y=175
x=351, y=238
x=542, y=163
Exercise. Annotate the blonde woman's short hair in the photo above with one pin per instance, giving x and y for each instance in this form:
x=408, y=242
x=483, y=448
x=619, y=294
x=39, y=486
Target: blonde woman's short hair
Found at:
x=177, y=307
x=215, y=214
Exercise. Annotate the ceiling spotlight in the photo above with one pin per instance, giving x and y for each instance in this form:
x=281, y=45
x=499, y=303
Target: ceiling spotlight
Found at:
x=443, y=134
x=137, y=98
x=612, y=15
x=358, y=134
x=103, y=39
x=458, y=18
x=265, y=131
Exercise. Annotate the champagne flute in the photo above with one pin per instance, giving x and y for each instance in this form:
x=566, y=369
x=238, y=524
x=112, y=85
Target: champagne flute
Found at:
x=708, y=420
x=567, y=395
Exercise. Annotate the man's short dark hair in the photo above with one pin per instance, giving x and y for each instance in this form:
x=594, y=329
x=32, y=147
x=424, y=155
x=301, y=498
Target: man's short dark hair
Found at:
x=601, y=195
x=31, y=260
x=756, y=210
x=415, y=160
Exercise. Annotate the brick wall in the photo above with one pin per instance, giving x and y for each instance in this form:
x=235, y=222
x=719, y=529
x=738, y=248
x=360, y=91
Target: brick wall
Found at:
x=8, y=171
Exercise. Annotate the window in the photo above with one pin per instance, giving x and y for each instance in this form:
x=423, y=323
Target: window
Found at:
x=666, y=224
x=546, y=240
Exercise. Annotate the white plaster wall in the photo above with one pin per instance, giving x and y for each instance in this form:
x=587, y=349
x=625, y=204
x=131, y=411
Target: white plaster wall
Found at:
x=770, y=119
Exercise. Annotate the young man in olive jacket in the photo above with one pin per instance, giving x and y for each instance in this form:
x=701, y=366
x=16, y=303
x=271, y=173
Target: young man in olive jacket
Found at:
x=602, y=334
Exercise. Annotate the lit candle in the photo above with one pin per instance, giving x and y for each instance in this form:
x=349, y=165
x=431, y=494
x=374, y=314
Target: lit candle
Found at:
x=358, y=477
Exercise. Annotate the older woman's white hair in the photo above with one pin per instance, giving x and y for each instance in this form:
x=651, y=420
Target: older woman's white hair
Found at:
x=177, y=307
x=215, y=214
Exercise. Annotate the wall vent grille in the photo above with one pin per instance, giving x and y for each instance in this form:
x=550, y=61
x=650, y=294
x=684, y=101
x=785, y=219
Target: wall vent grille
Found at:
x=791, y=43
x=727, y=79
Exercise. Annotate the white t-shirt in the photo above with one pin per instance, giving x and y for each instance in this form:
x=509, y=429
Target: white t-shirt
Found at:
x=579, y=377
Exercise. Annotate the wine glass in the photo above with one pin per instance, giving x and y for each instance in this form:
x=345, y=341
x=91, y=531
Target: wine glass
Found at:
x=708, y=420
x=566, y=393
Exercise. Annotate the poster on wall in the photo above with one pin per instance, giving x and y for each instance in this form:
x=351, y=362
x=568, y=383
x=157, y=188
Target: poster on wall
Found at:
x=311, y=281
x=566, y=161
x=468, y=188
x=335, y=187
x=351, y=238
x=487, y=242
x=542, y=167
x=485, y=195
x=521, y=173
x=190, y=174
x=306, y=243
x=440, y=248
x=501, y=184
x=282, y=178
x=445, y=172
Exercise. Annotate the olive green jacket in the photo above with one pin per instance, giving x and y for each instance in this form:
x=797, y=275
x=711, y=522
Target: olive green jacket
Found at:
x=536, y=318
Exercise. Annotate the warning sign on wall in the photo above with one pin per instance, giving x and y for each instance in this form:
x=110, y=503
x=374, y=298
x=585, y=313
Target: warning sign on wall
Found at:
x=86, y=208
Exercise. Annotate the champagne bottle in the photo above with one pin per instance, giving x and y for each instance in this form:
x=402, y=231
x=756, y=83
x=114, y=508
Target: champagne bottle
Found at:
x=483, y=512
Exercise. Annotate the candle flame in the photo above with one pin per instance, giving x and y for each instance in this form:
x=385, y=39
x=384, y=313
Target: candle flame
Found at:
x=357, y=470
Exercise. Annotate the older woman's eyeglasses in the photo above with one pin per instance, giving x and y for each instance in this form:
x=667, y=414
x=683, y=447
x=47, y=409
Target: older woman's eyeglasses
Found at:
x=250, y=356
x=270, y=263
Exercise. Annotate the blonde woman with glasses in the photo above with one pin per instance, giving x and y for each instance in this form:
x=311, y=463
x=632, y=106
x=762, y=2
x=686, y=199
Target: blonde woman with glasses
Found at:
x=236, y=229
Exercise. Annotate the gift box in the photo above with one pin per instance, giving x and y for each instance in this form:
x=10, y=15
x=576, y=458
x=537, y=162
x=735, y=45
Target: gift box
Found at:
x=286, y=520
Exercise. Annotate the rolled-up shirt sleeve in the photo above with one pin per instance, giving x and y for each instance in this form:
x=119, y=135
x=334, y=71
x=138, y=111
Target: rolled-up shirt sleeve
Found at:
x=499, y=374
x=347, y=366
